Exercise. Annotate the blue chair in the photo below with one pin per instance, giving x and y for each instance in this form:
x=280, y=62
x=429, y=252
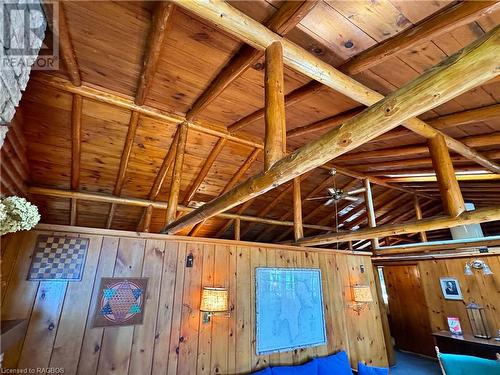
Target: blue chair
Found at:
x=457, y=364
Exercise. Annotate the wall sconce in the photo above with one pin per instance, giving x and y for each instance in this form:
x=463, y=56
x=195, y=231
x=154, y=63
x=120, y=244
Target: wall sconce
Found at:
x=361, y=295
x=214, y=301
x=478, y=265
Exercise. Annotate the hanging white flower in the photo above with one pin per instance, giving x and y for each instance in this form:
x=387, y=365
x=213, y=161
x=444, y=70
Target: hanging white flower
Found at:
x=17, y=214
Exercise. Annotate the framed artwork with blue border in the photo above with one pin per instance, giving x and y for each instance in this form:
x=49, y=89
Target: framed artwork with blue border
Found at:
x=289, y=309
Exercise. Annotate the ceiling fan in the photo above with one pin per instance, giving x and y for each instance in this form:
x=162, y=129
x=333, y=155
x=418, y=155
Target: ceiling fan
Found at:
x=335, y=195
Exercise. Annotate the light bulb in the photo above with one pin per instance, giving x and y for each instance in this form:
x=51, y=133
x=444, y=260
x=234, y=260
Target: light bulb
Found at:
x=487, y=270
x=468, y=270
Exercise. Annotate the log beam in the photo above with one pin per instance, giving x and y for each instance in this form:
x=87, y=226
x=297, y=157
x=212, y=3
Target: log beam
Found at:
x=460, y=177
x=117, y=100
x=237, y=227
x=477, y=61
x=275, y=138
x=281, y=22
x=298, y=229
x=177, y=174
x=159, y=205
x=419, y=216
x=204, y=170
x=161, y=22
x=252, y=32
x=481, y=215
x=370, y=211
x=451, y=195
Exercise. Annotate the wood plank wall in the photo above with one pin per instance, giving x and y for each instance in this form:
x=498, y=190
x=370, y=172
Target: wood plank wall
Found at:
x=172, y=339
x=485, y=290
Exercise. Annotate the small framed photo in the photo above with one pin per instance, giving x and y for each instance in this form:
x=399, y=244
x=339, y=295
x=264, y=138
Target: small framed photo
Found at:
x=451, y=288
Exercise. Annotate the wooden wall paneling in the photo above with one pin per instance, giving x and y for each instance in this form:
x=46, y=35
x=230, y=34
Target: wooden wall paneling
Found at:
x=43, y=326
x=204, y=357
x=68, y=341
x=175, y=335
x=220, y=328
x=10, y=251
x=359, y=343
x=258, y=258
x=243, y=312
x=141, y=355
x=92, y=337
x=191, y=317
x=14, y=307
x=165, y=308
x=117, y=343
x=233, y=298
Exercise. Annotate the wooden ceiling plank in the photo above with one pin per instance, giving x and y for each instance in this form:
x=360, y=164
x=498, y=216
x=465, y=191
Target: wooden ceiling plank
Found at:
x=481, y=215
x=252, y=32
x=204, y=171
x=470, y=116
x=275, y=137
x=440, y=23
x=76, y=150
x=162, y=19
x=478, y=61
x=114, y=99
x=65, y=43
x=282, y=21
x=177, y=174
x=232, y=182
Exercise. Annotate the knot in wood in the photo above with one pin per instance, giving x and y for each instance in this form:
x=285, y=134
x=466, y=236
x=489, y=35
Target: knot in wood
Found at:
x=389, y=108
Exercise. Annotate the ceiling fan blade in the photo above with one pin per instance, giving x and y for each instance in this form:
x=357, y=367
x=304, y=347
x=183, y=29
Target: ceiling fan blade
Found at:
x=332, y=191
x=317, y=198
x=356, y=191
x=330, y=202
x=352, y=199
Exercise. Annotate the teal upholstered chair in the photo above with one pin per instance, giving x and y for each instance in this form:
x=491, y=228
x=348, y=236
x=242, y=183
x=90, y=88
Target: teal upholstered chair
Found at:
x=456, y=364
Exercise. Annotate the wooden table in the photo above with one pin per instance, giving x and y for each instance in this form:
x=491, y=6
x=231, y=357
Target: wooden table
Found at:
x=466, y=344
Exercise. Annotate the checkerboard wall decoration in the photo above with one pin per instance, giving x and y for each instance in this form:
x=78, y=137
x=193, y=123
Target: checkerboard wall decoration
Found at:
x=121, y=301
x=58, y=258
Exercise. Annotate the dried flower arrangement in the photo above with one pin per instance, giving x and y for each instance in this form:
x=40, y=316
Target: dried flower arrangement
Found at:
x=17, y=214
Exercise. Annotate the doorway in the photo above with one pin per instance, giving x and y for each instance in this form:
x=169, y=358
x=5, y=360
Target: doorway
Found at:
x=408, y=318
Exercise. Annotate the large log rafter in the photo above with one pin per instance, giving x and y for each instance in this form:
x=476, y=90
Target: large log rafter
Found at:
x=477, y=61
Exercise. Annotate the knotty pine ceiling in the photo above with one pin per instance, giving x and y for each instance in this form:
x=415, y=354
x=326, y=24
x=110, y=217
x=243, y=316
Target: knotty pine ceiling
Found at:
x=110, y=40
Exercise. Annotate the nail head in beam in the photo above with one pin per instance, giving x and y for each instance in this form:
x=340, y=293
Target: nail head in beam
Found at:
x=478, y=62
x=275, y=137
x=177, y=174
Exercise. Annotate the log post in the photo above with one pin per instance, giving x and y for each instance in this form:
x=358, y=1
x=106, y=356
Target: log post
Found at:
x=275, y=139
x=451, y=195
x=418, y=213
x=298, y=230
x=370, y=211
x=237, y=229
x=173, y=198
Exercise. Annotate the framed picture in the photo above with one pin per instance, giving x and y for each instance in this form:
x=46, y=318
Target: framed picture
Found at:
x=289, y=309
x=451, y=288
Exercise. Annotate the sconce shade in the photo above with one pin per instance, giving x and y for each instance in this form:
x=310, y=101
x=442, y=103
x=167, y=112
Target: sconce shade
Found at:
x=361, y=293
x=214, y=300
